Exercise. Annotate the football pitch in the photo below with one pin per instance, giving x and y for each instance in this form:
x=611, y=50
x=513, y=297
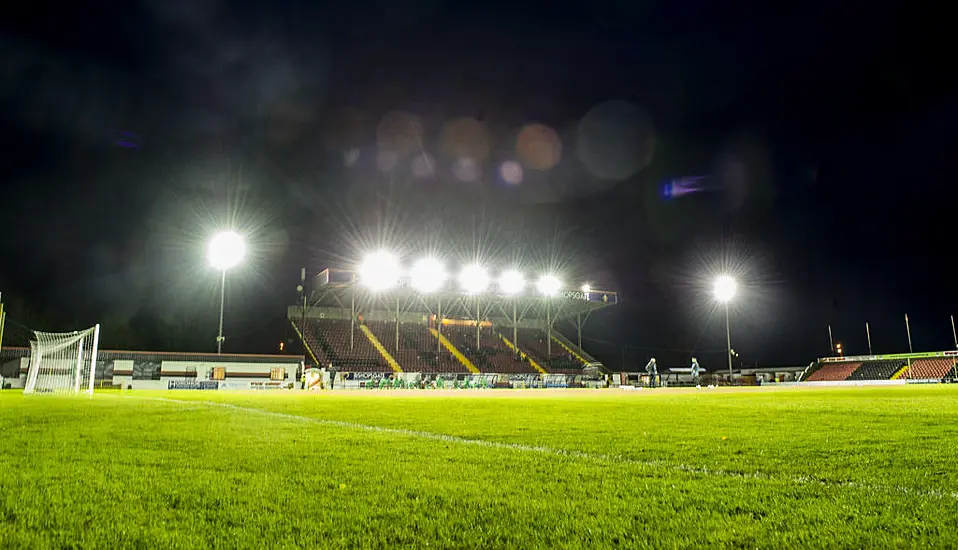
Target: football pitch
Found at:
x=858, y=467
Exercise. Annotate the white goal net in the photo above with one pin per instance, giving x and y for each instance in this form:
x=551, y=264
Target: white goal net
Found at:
x=63, y=362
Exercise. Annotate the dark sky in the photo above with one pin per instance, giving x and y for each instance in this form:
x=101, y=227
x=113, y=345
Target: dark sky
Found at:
x=825, y=132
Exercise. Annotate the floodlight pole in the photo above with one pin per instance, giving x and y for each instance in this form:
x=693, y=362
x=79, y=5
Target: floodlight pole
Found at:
x=302, y=286
x=728, y=341
x=219, y=337
x=868, y=333
x=908, y=330
x=352, y=315
x=478, y=313
x=515, y=324
x=549, y=328
x=438, y=328
x=953, y=334
x=3, y=317
x=831, y=341
x=397, y=323
x=578, y=326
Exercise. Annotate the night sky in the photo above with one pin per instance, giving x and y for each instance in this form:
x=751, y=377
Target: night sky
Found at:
x=811, y=147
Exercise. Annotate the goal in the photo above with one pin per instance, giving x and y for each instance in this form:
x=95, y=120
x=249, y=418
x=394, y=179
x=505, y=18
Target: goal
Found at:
x=63, y=362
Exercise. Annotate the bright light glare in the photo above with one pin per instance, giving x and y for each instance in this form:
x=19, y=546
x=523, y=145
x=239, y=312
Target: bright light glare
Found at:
x=474, y=279
x=380, y=271
x=549, y=285
x=587, y=288
x=512, y=282
x=725, y=288
x=428, y=275
x=226, y=250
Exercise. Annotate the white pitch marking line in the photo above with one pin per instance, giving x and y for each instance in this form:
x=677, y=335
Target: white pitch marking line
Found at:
x=599, y=457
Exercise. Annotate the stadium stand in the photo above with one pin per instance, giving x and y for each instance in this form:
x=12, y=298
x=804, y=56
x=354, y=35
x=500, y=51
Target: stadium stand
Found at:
x=560, y=361
x=418, y=349
x=575, y=351
x=329, y=340
x=930, y=369
x=833, y=372
x=322, y=320
x=492, y=355
x=877, y=370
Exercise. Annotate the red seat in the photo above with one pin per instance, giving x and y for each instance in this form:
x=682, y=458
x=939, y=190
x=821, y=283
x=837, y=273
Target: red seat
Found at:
x=834, y=372
x=930, y=369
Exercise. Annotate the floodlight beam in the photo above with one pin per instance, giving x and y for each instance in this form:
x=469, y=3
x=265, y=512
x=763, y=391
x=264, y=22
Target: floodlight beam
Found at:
x=226, y=250
x=512, y=282
x=380, y=271
x=549, y=285
x=427, y=275
x=725, y=288
x=474, y=279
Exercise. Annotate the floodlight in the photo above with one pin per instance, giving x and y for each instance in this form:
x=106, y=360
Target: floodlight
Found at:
x=587, y=288
x=380, y=271
x=725, y=288
x=427, y=275
x=549, y=285
x=512, y=282
x=474, y=279
x=226, y=250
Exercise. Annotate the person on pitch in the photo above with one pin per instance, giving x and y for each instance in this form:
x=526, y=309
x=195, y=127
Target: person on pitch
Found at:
x=696, y=371
x=652, y=370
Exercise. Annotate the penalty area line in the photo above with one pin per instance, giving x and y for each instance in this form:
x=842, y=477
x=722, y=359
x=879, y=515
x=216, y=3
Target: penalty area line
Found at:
x=559, y=452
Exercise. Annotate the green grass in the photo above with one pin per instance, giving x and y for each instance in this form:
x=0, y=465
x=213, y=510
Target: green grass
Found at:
x=821, y=468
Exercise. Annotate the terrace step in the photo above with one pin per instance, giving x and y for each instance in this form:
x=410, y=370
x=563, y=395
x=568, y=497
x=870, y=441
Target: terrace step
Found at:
x=569, y=349
x=455, y=352
x=309, y=350
x=522, y=354
x=380, y=348
x=901, y=372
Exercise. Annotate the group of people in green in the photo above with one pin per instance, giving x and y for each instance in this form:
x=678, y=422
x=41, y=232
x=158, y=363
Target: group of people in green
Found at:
x=397, y=383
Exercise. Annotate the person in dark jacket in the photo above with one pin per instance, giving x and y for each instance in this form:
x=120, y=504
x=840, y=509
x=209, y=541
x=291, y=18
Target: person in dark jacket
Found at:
x=653, y=371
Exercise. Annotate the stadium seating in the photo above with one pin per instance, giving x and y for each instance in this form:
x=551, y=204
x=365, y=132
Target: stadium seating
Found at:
x=329, y=340
x=418, y=348
x=876, y=370
x=492, y=355
x=930, y=369
x=833, y=372
x=533, y=342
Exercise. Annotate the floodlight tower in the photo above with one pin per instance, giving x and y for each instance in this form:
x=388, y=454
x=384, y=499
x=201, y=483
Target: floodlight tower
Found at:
x=225, y=251
x=549, y=286
x=379, y=272
x=427, y=276
x=512, y=283
x=725, y=288
x=474, y=280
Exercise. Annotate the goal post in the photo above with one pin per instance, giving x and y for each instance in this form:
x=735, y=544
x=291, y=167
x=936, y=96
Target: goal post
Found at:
x=63, y=362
